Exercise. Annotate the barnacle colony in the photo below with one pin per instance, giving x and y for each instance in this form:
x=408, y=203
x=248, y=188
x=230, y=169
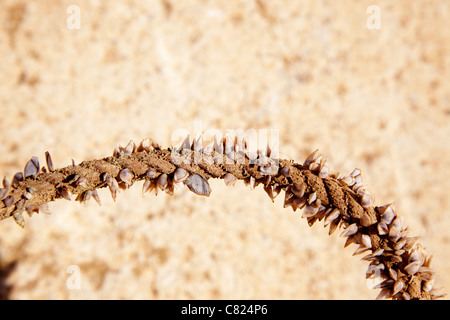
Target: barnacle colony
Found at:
x=395, y=258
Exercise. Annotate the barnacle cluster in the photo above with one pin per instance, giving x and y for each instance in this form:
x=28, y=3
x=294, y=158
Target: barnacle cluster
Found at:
x=340, y=201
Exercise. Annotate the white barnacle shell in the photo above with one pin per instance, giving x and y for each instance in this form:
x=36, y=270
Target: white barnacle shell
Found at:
x=310, y=211
x=3, y=193
x=334, y=214
x=348, y=180
x=44, y=208
x=285, y=171
x=8, y=201
x=126, y=176
x=252, y=182
x=366, y=200
x=18, y=177
x=365, y=241
x=96, y=197
x=18, y=218
x=64, y=193
x=31, y=168
x=357, y=175
x=298, y=189
x=312, y=197
x=145, y=145
x=413, y=267
x=398, y=286
x=229, y=179
x=365, y=220
x=324, y=171
x=152, y=173
x=428, y=285
x=198, y=184
x=382, y=228
x=180, y=175
x=130, y=148
x=311, y=158
x=394, y=233
x=82, y=182
x=49, y=161
x=350, y=230
x=162, y=181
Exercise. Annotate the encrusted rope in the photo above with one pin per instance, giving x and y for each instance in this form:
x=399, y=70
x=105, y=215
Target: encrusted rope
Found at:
x=340, y=201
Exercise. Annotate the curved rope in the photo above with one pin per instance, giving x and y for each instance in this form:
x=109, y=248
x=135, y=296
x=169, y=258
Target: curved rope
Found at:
x=342, y=202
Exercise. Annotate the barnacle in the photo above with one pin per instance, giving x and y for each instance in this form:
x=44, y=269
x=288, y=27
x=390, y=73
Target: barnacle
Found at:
x=340, y=201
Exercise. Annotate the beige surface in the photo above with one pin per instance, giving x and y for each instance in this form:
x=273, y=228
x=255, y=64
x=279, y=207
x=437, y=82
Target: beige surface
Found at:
x=374, y=99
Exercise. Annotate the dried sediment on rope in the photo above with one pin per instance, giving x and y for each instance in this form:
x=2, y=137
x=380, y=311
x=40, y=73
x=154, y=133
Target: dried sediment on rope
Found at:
x=341, y=201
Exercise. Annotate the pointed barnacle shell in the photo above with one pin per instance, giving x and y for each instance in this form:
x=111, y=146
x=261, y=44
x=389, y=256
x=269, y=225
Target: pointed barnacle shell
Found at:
x=145, y=145
x=268, y=189
x=324, y=171
x=44, y=208
x=334, y=214
x=6, y=183
x=276, y=190
x=8, y=201
x=398, y=286
x=130, y=148
x=87, y=196
x=384, y=284
x=333, y=226
x=393, y=274
x=49, y=161
x=351, y=230
x=31, y=168
x=413, y=267
x=365, y=220
x=384, y=294
x=117, y=153
x=3, y=193
x=400, y=244
x=126, y=176
x=366, y=200
x=152, y=173
x=382, y=228
x=18, y=177
x=397, y=223
x=312, y=197
x=394, y=233
x=357, y=175
x=64, y=193
x=309, y=211
x=18, y=218
x=348, y=180
x=162, y=181
x=252, y=182
x=198, y=184
x=298, y=189
x=311, y=158
x=365, y=241
x=180, y=175
x=82, y=182
x=410, y=241
x=361, y=249
x=96, y=197
x=285, y=171
x=428, y=285
x=314, y=166
x=387, y=213
x=229, y=179
x=148, y=186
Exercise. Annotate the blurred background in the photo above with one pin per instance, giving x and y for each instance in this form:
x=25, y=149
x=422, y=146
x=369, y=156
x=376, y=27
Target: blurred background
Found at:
x=365, y=82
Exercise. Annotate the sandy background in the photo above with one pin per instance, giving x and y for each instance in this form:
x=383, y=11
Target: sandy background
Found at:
x=376, y=99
